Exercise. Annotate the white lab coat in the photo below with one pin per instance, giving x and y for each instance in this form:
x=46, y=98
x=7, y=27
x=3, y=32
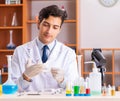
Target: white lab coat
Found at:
x=61, y=57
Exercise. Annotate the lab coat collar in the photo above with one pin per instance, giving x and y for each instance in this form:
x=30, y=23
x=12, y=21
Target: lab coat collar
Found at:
x=55, y=51
x=33, y=51
x=31, y=44
x=40, y=44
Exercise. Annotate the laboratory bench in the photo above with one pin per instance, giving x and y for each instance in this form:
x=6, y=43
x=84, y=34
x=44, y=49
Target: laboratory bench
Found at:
x=57, y=97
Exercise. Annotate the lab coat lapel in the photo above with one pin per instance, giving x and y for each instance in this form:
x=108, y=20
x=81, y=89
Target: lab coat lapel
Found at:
x=55, y=52
x=34, y=52
x=52, y=59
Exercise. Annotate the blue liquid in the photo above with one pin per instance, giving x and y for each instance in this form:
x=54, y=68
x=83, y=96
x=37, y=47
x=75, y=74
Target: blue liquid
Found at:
x=11, y=47
x=9, y=89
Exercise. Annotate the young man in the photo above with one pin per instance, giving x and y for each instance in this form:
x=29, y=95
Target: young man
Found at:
x=45, y=63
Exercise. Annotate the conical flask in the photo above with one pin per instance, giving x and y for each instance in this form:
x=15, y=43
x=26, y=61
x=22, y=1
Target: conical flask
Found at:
x=9, y=87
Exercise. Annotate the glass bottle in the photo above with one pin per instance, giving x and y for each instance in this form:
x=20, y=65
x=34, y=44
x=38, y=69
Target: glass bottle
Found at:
x=9, y=87
x=104, y=90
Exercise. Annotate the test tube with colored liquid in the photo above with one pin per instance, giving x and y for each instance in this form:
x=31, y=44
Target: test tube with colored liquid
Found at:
x=76, y=90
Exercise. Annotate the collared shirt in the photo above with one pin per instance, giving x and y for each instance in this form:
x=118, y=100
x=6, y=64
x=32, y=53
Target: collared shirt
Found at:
x=41, y=45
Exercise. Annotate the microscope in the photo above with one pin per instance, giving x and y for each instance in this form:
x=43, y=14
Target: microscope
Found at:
x=100, y=61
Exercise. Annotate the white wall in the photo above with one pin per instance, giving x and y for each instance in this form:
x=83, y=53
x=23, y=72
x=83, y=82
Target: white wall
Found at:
x=99, y=25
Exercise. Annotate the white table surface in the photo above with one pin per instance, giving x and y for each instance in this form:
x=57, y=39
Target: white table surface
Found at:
x=57, y=97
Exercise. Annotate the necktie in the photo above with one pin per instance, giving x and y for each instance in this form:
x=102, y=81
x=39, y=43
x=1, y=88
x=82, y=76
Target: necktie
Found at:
x=44, y=55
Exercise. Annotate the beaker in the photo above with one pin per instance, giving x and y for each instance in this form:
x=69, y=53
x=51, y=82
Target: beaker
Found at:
x=69, y=88
x=11, y=45
x=76, y=87
x=9, y=87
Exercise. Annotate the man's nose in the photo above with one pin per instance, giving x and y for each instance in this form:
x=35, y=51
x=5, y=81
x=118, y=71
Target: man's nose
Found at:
x=50, y=29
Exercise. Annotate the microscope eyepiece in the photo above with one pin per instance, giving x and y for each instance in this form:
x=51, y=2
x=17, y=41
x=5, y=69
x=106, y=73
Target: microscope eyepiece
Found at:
x=98, y=57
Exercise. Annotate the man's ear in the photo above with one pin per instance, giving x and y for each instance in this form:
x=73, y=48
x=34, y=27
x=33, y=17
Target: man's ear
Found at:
x=38, y=24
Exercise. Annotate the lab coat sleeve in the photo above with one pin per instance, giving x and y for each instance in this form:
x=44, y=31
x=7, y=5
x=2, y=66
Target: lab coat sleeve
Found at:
x=23, y=84
x=63, y=84
x=17, y=69
x=70, y=69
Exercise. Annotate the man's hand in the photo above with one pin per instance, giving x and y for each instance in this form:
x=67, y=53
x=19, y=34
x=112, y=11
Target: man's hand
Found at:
x=32, y=70
x=58, y=74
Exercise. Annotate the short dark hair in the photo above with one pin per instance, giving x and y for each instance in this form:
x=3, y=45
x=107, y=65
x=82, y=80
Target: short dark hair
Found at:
x=52, y=10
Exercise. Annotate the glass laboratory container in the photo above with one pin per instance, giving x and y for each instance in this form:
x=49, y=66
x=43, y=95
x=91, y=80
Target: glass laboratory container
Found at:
x=9, y=87
x=69, y=88
x=11, y=45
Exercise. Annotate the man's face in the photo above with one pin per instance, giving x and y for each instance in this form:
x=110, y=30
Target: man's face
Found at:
x=49, y=29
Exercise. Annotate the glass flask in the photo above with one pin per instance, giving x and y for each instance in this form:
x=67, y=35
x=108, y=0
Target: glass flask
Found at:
x=11, y=45
x=9, y=87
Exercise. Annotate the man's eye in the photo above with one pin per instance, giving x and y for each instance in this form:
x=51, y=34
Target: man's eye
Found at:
x=45, y=24
x=55, y=27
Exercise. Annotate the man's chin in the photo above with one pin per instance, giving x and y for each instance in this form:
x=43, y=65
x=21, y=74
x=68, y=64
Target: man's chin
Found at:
x=47, y=42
